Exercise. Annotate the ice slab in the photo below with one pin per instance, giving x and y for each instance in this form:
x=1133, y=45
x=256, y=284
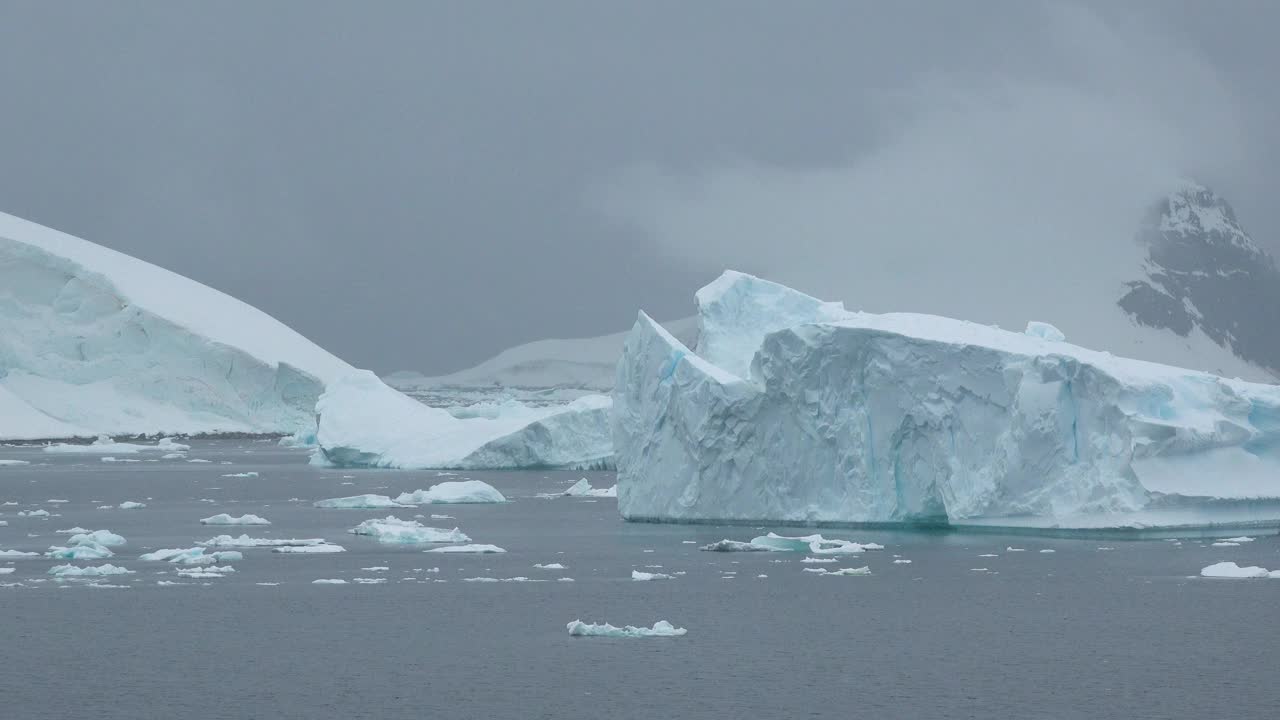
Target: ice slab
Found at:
x=1234, y=571
x=360, y=502
x=662, y=628
x=583, y=488
x=69, y=571
x=479, y=548
x=225, y=519
x=450, y=492
x=394, y=531
x=309, y=549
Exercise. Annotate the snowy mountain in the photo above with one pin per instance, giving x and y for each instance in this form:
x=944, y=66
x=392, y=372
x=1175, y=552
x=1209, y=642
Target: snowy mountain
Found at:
x=1204, y=275
x=94, y=341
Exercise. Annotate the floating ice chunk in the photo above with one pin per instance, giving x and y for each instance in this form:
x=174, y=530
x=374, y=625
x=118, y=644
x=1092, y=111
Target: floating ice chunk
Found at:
x=844, y=572
x=199, y=460
x=99, y=537
x=207, y=572
x=564, y=579
x=6, y=571
x=34, y=513
x=300, y=439
x=819, y=560
x=1014, y=549
x=583, y=488
x=1241, y=539
x=467, y=549
x=309, y=549
x=979, y=570
x=329, y=581
x=901, y=561
x=1226, y=544
x=225, y=519
x=131, y=505
x=662, y=628
x=360, y=502
x=244, y=541
x=1232, y=570
x=519, y=579
x=91, y=571
x=549, y=566
x=1048, y=550
x=10, y=463
x=988, y=555
x=104, y=444
x=267, y=584
x=1044, y=331
x=173, y=456
x=77, y=530
x=392, y=530
x=57, y=502
x=453, y=492
x=733, y=546
x=376, y=568
x=172, y=554
x=17, y=554
x=241, y=475
x=172, y=446
x=85, y=551
x=110, y=459
x=816, y=544
x=637, y=575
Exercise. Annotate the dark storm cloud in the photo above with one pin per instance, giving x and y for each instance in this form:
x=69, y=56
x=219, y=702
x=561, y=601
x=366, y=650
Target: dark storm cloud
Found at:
x=411, y=184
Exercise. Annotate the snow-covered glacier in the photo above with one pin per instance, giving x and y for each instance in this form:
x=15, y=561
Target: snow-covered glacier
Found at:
x=94, y=341
x=365, y=423
x=795, y=410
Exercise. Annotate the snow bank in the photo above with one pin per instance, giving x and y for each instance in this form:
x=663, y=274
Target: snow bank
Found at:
x=464, y=491
x=360, y=502
x=1234, y=571
x=366, y=423
x=468, y=549
x=583, y=488
x=392, y=530
x=225, y=519
x=95, y=341
x=799, y=411
x=662, y=628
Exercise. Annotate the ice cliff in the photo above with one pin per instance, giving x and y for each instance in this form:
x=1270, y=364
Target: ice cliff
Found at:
x=792, y=409
x=93, y=341
x=365, y=423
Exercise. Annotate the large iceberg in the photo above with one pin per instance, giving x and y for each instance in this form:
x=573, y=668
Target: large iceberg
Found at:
x=94, y=341
x=365, y=423
x=796, y=410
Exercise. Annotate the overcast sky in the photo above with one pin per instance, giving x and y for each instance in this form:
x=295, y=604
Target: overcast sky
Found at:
x=418, y=185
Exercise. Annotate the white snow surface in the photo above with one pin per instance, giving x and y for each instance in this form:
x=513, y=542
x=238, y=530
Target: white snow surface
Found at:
x=94, y=341
x=662, y=628
x=366, y=423
x=453, y=492
x=799, y=411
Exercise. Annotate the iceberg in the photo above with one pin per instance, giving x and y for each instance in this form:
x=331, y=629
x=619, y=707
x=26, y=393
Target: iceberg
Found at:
x=99, y=537
x=662, y=628
x=1234, y=571
x=17, y=554
x=394, y=531
x=583, y=488
x=798, y=411
x=360, y=502
x=191, y=556
x=93, y=341
x=83, y=551
x=68, y=571
x=365, y=423
x=464, y=491
x=225, y=519
x=481, y=549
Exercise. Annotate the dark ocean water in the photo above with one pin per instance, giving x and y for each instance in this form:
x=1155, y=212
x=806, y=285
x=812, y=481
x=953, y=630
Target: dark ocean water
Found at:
x=1079, y=633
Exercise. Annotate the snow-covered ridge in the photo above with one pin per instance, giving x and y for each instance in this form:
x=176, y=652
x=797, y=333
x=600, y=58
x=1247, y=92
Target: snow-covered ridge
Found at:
x=94, y=341
x=799, y=411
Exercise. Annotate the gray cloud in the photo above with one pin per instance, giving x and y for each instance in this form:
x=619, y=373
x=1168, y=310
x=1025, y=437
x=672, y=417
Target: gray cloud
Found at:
x=418, y=184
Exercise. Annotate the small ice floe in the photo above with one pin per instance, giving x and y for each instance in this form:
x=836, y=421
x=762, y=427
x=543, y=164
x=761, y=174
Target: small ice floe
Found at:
x=901, y=561
x=83, y=551
x=131, y=505
x=441, y=517
x=1226, y=544
x=309, y=549
x=173, y=456
x=453, y=493
x=249, y=474
x=394, y=531
x=225, y=519
x=376, y=568
x=662, y=628
x=244, y=541
x=637, y=575
x=17, y=554
x=1241, y=539
x=1014, y=549
x=989, y=555
x=549, y=566
x=518, y=579
x=359, y=502
x=104, y=444
x=104, y=586
x=34, y=513
x=11, y=463
x=467, y=549
x=1048, y=550
x=171, y=446
x=812, y=560
x=77, y=530
x=207, y=572
x=815, y=544
x=267, y=584
x=1105, y=549
x=97, y=537
x=1234, y=571
x=69, y=571
x=112, y=459
x=979, y=570
x=199, y=460
x=6, y=570
x=191, y=556
x=583, y=488
x=57, y=502
x=370, y=581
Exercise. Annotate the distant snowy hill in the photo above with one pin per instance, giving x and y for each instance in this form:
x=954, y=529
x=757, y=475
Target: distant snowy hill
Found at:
x=1205, y=277
x=94, y=341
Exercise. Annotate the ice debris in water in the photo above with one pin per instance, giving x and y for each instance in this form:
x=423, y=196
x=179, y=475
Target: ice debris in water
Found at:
x=6, y=461
x=901, y=561
x=225, y=519
x=453, y=492
x=5, y=570
x=83, y=551
x=1241, y=539
x=192, y=556
x=519, y=579
x=842, y=572
x=637, y=575
x=208, y=572
x=1048, y=550
x=819, y=560
x=33, y=513
x=392, y=530
x=549, y=566
x=131, y=505
x=467, y=549
x=662, y=628
x=360, y=502
x=1232, y=570
x=244, y=541
x=71, y=531
x=17, y=554
x=583, y=488
x=329, y=581
x=1014, y=549
x=1044, y=331
x=249, y=474
x=66, y=571
x=309, y=549
x=816, y=544
x=97, y=537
